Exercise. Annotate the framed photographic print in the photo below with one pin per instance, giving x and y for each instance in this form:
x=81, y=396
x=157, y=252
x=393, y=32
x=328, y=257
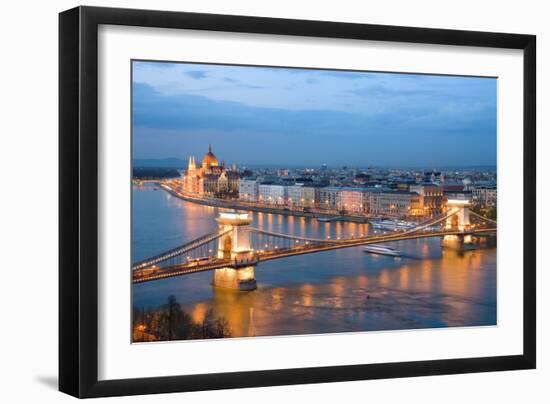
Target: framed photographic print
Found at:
x=250, y=201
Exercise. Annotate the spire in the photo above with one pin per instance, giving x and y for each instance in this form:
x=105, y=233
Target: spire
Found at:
x=191, y=165
x=209, y=148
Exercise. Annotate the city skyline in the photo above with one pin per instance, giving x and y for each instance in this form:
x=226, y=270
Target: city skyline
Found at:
x=299, y=117
x=175, y=162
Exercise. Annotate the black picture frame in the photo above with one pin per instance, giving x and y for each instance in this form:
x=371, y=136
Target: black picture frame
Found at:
x=78, y=200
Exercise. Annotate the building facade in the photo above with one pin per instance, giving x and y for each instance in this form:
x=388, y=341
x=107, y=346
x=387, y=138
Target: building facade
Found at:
x=210, y=178
x=433, y=198
x=485, y=196
x=399, y=204
x=308, y=196
x=271, y=194
x=248, y=189
x=294, y=195
x=352, y=200
x=329, y=198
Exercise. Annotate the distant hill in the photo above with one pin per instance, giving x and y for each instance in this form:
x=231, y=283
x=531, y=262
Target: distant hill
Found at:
x=168, y=162
x=173, y=162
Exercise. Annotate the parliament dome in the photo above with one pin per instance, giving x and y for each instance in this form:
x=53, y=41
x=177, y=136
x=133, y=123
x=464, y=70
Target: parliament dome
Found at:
x=209, y=159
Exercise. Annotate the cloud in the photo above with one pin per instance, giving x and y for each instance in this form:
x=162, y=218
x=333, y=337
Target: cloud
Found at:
x=409, y=133
x=310, y=89
x=196, y=74
x=346, y=75
x=285, y=115
x=250, y=86
x=339, y=74
x=146, y=64
x=382, y=91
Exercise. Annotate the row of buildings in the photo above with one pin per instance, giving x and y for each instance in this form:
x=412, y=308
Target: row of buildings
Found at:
x=211, y=179
x=425, y=200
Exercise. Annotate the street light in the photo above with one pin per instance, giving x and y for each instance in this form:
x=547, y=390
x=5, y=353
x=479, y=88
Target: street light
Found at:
x=142, y=328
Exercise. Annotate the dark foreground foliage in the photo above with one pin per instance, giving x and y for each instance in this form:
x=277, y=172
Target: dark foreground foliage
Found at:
x=170, y=322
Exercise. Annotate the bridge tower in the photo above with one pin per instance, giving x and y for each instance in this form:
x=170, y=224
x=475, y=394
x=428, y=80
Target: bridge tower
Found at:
x=460, y=221
x=235, y=245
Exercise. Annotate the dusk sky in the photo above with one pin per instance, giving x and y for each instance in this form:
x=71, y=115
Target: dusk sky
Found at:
x=301, y=117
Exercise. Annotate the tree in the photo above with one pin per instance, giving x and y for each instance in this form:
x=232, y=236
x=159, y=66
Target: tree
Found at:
x=169, y=316
x=214, y=327
x=222, y=328
x=185, y=327
x=170, y=322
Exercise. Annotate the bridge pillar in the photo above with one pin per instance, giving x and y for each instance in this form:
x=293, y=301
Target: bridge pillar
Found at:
x=460, y=221
x=235, y=245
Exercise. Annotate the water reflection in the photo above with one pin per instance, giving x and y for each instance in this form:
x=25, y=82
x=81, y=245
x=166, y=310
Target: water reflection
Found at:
x=336, y=291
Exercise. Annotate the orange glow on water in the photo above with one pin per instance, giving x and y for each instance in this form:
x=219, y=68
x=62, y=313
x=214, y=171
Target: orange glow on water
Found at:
x=198, y=312
x=446, y=287
x=426, y=272
x=384, y=278
x=307, y=291
x=404, y=272
x=337, y=285
x=362, y=281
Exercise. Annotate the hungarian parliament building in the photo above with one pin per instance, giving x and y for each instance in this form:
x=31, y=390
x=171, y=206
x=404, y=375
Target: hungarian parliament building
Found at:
x=210, y=178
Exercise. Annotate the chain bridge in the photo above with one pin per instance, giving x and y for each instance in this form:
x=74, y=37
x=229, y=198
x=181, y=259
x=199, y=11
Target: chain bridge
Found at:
x=236, y=248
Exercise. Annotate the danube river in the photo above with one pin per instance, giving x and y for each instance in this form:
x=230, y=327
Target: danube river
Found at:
x=336, y=291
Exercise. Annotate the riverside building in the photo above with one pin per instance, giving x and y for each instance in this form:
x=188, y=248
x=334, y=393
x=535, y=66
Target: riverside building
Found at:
x=210, y=178
x=248, y=189
x=399, y=204
x=485, y=196
x=271, y=194
x=432, y=197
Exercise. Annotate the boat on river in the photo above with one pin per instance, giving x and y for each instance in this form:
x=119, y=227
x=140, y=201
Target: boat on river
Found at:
x=325, y=219
x=393, y=225
x=382, y=250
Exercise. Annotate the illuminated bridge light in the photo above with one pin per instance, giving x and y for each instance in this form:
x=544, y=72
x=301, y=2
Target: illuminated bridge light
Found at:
x=234, y=215
x=458, y=202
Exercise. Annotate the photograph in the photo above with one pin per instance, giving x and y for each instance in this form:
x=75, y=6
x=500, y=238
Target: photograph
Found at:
x=272, y=201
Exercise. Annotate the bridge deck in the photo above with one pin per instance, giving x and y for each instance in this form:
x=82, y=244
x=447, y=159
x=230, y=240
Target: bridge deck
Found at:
x=216, y=263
